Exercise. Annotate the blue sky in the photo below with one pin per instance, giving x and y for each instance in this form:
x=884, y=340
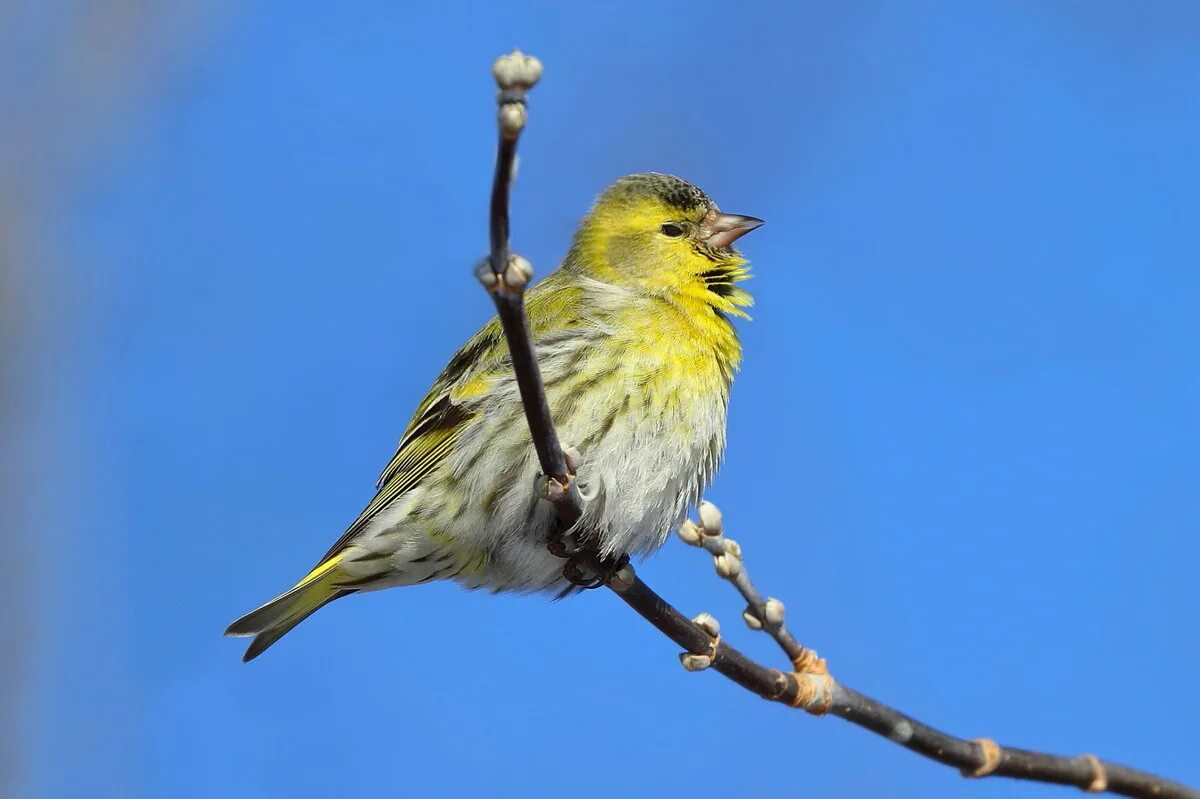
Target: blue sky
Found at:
x=964, y=447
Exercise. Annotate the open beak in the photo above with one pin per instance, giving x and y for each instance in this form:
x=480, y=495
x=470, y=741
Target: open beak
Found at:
x=725, y=229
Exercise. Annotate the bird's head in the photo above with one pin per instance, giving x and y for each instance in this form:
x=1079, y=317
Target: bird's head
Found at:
x=661, y=235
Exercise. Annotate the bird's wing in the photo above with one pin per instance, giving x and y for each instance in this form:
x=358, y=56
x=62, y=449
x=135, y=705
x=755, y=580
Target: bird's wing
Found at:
x=435, y=427
x=443, y=415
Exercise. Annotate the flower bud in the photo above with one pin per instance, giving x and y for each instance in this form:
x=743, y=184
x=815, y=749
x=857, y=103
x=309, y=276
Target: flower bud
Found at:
x=485, y=275
x=516, y=70
x=518, y=273
x=710, y=518
x=689, y=533
x=512, y=118
x=708, y=623
x=728, y=567
x=774, y=612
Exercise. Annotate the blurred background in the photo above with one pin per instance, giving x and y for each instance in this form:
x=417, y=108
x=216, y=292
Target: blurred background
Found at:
x=235, y=248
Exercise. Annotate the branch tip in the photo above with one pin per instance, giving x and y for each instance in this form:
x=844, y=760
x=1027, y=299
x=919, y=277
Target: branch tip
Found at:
x=516, y=71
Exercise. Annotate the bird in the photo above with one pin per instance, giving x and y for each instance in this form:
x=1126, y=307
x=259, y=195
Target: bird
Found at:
x=635, y=338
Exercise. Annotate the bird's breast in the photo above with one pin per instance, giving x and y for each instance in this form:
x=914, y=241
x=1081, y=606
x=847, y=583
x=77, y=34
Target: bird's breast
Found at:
x=645, y=403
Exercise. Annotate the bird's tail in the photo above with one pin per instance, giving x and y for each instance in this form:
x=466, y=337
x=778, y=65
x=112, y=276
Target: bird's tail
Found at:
x=273, y=620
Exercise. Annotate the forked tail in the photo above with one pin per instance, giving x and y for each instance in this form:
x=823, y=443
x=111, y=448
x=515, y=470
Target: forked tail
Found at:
x=273, y=620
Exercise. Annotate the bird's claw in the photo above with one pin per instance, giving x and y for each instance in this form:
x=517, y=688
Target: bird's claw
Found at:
x=563, y=546
x=585, y=571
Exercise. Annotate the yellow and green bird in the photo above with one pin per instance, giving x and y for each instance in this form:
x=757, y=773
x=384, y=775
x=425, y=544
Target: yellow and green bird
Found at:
x=637, y=348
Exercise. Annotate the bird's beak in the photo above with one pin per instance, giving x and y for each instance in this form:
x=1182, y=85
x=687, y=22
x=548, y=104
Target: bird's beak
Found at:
x=725, y=229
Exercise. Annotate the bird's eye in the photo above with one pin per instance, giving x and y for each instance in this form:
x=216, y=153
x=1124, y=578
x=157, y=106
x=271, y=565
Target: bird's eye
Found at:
x=671, y=229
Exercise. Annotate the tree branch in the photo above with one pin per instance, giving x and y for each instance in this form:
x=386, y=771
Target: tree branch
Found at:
x=981, y=757
x=808, y=685
x=760, y=614
x=505, y=276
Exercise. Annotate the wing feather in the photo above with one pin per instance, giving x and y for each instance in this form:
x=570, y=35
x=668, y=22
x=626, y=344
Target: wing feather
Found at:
x=442, y=416
x=432, y=433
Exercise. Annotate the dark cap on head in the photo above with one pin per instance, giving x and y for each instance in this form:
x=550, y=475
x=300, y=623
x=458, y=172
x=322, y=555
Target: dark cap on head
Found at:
x=675, y=192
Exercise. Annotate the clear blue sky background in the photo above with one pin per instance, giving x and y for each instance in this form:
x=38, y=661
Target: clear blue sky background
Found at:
x=965, y=445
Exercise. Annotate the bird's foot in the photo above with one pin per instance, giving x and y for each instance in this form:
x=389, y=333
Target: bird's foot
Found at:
x=585, y=570
x=563, y=546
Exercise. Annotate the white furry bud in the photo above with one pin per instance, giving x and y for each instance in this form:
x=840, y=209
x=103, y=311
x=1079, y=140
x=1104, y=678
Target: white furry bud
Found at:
x=751, y=620
x=485, y=275
x=518, y=273
x=516, y=70
x=511, y=119
x=728, y=567
x=695, y=662
x=710, y=518
x=689, y=533
x=708, y=623
x=774, y=612
x=733, y=549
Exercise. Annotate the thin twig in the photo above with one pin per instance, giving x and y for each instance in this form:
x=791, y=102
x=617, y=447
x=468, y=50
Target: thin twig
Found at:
x=977, y=758
x=809, y=686
x=515, y=75
x=974, y=758
x=760, y=614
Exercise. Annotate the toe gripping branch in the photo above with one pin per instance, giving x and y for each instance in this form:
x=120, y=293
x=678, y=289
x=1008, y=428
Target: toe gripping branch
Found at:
x=585, y=566
x=586, y=570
